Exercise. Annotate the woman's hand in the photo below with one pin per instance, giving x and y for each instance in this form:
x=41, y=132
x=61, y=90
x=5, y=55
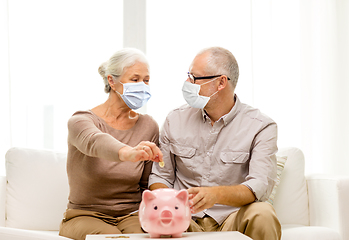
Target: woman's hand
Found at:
x=145, y=150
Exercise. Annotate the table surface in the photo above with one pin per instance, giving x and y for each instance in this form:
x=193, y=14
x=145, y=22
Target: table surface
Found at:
x=231, y=235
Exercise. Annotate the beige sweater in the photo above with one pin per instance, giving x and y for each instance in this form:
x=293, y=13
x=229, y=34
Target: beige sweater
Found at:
x=98, y=180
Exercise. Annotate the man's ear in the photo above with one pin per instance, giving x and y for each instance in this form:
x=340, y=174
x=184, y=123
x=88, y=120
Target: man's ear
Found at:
x=223, y=81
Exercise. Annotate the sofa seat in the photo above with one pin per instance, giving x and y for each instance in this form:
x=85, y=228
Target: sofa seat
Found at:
x=294, y=232
x=7, y=233
x=34, y=192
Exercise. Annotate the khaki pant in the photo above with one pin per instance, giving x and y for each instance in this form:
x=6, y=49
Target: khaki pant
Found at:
x=76, y=224
x=256, y=220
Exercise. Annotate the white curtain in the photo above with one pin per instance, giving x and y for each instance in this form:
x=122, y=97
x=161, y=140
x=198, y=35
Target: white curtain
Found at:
x=325, y=84
x=304, y=63
x=5, y=132
x=293, y=58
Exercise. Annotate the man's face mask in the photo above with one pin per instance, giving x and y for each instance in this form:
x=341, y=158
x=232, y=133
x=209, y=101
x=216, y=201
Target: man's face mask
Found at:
x=190, y=93
x=135, y=95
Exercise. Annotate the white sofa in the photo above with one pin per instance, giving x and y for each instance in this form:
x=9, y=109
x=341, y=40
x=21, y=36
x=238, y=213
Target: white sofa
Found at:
x=33, y=197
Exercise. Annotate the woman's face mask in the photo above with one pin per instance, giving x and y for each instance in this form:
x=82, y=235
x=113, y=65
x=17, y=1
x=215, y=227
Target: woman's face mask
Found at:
x=190, y=93
x=135, y=95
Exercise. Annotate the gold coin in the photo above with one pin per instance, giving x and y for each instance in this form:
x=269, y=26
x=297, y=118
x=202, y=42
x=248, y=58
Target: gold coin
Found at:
x=162, y=164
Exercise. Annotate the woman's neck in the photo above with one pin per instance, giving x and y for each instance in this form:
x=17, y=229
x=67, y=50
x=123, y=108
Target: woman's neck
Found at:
x=116, y=113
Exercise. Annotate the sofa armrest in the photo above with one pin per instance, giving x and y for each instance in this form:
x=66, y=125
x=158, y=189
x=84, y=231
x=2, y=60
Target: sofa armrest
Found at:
x=328, y=202
x=2, y=200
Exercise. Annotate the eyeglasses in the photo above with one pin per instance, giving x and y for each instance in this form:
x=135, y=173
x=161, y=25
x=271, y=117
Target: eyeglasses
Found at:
x=193, y=78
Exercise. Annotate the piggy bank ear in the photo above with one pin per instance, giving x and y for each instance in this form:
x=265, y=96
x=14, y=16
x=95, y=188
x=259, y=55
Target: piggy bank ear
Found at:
x=182, y=195
x=148, y=196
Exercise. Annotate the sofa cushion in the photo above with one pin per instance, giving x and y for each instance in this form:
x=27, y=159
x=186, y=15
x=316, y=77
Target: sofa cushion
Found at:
x=37, y=188
x=281, y=161
x=292, y=232
x=291, y=198
x=2, y=200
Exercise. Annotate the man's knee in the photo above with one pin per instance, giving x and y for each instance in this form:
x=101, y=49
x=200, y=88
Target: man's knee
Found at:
x=259, y=212
x=258, y=219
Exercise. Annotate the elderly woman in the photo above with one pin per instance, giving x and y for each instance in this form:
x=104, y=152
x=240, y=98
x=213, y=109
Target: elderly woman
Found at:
x=110, y=152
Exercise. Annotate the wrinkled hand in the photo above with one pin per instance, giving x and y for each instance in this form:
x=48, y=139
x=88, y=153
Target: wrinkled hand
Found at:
x=145, y=150
x=201, y=198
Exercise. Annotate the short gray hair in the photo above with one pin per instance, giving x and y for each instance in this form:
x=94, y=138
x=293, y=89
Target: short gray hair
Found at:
x=221, y=61
x=120, y=60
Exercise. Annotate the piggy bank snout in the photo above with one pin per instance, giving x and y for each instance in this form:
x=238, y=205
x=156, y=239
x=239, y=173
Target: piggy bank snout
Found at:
x=166, y=216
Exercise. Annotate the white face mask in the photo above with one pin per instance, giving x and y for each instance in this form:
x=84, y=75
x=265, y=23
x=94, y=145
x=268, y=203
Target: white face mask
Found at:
x=135, y=95
x=190, y=93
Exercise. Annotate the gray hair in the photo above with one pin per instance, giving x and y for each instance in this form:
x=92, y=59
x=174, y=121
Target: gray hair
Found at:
x=120, y=60
x=221, y=61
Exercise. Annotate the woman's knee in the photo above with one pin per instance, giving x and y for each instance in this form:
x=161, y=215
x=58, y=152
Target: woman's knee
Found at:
x=78, y=227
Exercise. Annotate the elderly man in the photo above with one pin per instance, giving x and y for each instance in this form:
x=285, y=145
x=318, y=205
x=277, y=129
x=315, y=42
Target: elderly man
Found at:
x=221, y=150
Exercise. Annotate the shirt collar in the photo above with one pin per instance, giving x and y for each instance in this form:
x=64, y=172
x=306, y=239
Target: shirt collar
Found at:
x=227, y=118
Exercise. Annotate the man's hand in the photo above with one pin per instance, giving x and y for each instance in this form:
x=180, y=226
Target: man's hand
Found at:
x=201, y=198
x=145, y=150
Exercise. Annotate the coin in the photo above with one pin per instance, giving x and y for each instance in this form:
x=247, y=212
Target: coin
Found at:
x=162, y=164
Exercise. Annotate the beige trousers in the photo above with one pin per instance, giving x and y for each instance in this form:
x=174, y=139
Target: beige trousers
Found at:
x=256, y=220
x=76, y=224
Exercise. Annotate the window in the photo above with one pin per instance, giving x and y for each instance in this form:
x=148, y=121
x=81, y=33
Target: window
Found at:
x=55, y=50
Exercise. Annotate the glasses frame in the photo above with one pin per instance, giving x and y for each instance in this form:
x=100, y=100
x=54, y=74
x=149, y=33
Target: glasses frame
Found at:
x=193, y=78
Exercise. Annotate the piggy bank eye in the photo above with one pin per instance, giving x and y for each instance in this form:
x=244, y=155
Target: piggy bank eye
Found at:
x=176, y=207
x=155, y=207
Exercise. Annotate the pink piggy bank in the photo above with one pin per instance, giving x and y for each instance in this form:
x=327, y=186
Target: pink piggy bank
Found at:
x=164, y=211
